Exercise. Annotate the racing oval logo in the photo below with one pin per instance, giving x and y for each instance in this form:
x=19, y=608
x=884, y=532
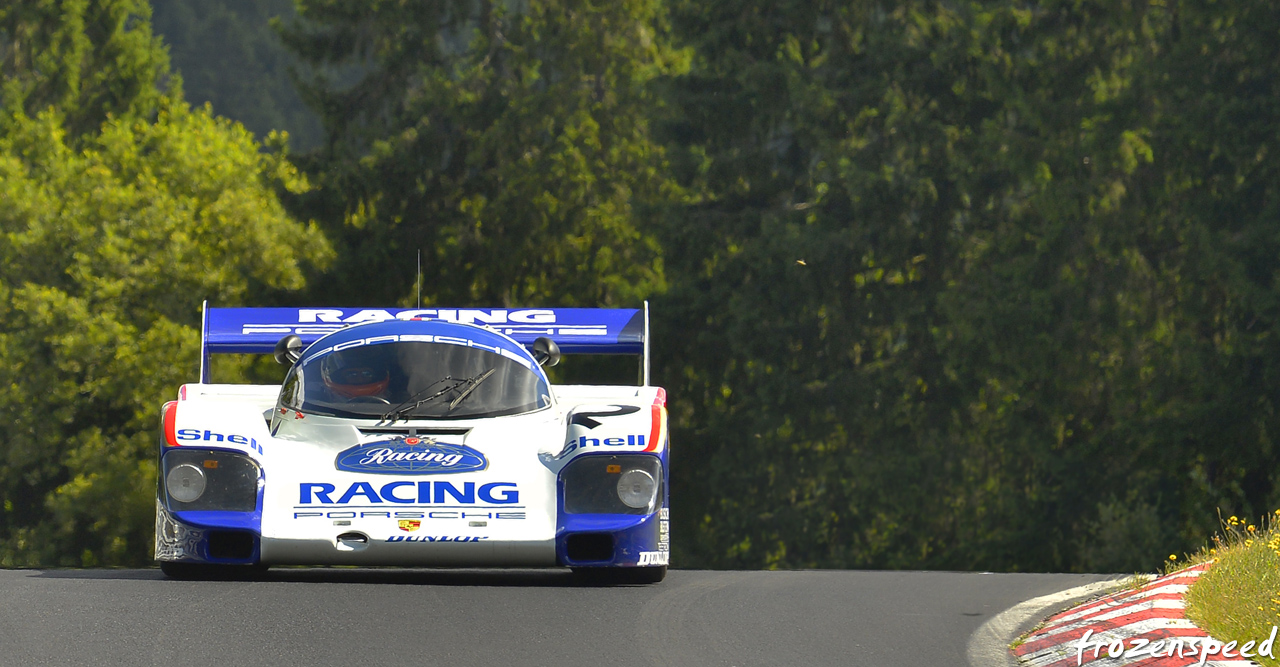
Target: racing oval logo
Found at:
x=410, y=456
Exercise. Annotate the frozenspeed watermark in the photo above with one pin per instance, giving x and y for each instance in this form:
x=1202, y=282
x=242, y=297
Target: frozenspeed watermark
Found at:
x=1183, y=647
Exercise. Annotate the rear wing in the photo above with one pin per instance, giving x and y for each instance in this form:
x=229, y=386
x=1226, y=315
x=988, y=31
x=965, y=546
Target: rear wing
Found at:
x=574, y=330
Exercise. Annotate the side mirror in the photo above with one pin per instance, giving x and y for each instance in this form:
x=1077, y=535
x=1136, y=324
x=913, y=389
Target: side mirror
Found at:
x=288, y=350
x=546, y=351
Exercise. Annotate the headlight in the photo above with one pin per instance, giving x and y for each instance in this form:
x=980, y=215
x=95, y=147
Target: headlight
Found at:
x=185, y=483
x=636, y=488
x=202, y=479
x=622, y=484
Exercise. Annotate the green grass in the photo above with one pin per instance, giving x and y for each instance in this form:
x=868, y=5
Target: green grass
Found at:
x=1239, y=597
x=1134, y=582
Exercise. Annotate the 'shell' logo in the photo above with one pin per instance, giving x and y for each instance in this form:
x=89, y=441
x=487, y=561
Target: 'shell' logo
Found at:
x=409, y=525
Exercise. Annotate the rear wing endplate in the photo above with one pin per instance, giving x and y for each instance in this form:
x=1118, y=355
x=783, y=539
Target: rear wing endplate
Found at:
x=574, y=330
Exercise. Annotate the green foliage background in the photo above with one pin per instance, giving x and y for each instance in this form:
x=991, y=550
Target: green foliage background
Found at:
x=963, y=285
x=230, y=57
x=120, y=208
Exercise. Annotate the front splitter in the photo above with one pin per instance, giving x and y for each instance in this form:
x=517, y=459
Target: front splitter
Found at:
x=424, y=553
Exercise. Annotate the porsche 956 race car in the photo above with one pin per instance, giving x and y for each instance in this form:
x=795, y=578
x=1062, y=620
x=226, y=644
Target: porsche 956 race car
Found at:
x=416, y=437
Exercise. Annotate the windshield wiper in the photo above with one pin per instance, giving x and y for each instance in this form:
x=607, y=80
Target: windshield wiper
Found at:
x=414, y=402
x=473, y=382
x=402, y=410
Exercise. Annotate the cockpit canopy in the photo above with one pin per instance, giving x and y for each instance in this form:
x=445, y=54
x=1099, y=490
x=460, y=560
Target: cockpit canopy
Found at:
x=415, y=370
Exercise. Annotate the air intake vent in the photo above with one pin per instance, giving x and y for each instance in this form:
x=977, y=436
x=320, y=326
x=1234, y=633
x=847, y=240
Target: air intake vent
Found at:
x=230, y=545
x=589, y=547
x=407, y=430
x=352, y=541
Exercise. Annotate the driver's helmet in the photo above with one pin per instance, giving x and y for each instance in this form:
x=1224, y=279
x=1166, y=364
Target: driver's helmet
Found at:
x=357, y=372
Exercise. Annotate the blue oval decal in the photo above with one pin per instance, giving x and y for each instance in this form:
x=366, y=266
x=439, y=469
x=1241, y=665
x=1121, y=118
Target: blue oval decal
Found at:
x=410, y=456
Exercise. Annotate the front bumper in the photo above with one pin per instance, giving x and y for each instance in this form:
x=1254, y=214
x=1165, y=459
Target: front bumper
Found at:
x=222, y=540
x=583, y=541
x=410, y=551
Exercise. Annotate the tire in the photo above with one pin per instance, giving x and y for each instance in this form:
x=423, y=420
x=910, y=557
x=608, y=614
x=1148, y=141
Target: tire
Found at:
x=205, y=571
x=649, y=575
x=616, y=576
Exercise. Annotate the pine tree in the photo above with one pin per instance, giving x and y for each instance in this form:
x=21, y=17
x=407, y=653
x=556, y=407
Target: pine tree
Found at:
x=89, y=60
x=507, y=142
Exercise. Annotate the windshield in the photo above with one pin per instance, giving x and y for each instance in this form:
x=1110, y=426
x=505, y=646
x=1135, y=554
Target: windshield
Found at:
x=413, y=380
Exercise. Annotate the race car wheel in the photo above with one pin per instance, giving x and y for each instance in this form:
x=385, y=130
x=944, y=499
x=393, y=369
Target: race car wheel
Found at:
x=615, y=576
x=204, y=571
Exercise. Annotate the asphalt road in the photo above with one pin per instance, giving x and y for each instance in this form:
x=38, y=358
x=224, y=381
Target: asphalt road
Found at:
x=458, y=618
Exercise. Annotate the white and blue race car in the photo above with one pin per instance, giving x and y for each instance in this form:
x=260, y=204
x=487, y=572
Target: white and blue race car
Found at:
x=416, y=437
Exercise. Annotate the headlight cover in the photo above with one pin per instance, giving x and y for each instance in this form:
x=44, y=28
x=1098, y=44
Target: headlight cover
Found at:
x=623, y=484
x=201, y=479
x=637, y=488
x=185, y=482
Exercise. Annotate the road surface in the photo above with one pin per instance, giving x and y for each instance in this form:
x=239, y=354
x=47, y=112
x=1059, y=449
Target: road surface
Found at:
x=484, y=617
